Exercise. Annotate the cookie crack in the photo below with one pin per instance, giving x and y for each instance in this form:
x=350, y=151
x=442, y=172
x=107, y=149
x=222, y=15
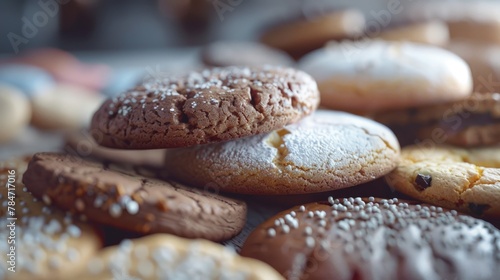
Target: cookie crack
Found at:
x=386, y=143
x=276, y=140
x=472, y=183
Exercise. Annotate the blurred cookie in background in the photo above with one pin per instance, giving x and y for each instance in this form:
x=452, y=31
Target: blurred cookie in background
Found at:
x=304, y=34
x=15, y=113
x=376, y=75
x=80, y=142
x=65, y=107
x=65, y=67
x=472, y=122
x=30, y=80
x=476, y=21
x=429, y=32
x=163, y=256
x=238, y=53
x=484, y=62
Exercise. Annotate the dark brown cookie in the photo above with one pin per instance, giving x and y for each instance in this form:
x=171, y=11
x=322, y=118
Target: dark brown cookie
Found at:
x=205, y=107
x=118, y=197
x=471, y=122
x=355, y=238
x=223, y=54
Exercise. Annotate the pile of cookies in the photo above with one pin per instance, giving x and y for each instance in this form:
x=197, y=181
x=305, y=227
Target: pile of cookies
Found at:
x=166, y=170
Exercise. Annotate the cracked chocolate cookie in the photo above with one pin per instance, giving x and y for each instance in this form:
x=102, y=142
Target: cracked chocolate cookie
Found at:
x=326, y=151
x=371, y=238
x=123, y=198
x=467, y=180
x=474, y=121
x=205, y=107
x=163, y=256
x=39, y=241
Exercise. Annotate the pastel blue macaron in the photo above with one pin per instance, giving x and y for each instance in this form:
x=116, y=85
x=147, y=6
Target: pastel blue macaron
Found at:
x=29, y=79
x=121, y=80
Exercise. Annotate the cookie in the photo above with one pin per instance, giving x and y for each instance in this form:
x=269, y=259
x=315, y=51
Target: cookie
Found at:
x=474, y=121
x=467, y=20
x=163, y=256
x=300, y=36
x=370, y=238
x=205, y=107
x=65, y=67
x=30, y=80
x=64, y=107
x=236, y=53
x=123, y=198
x=327, y=151
x=467, y=180
x=429, y=32
x=484, y=62
x=39, y=242
x=15, y=113
x=81, y=143
x=378, y=75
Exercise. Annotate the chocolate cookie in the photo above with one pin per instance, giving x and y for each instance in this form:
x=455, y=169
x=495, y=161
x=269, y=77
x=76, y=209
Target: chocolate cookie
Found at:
x=163, y=256
x=467, y=180
x=355, y=238
x=474, y=121
x=326, y=151
x=227, y=53
x=205, y=107
x=39, y=242
x=124, y=199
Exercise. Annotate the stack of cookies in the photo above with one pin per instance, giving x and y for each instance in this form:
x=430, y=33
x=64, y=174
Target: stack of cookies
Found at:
x=167, y=169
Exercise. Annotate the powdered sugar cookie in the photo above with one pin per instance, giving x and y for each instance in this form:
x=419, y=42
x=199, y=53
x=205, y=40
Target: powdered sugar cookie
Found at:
x=163, y=256
x=327, y=151
x=377, y=75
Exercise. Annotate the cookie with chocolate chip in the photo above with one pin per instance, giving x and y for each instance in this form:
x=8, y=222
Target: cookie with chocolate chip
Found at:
x=163, y=256
x=39, y=241
x=326, y=151
x=205, y=107
x=467, y=180
x=369, y=238
x=474, y=121
x=124, y=198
